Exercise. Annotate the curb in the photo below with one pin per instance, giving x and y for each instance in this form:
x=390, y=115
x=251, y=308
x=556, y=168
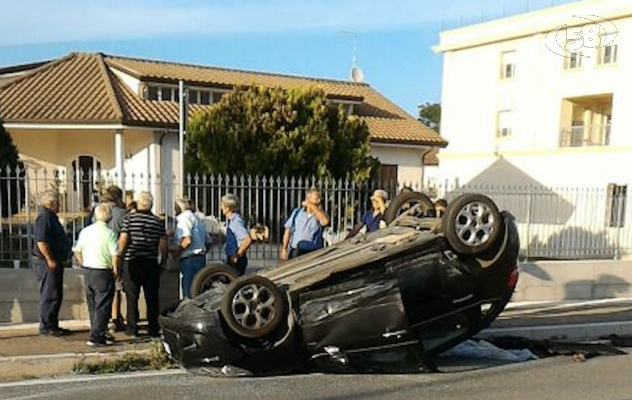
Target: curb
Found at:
x=574, y=332
x=30, y=367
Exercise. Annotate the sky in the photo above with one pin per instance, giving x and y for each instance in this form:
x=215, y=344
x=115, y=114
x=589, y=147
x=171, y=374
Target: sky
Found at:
x=306, y=37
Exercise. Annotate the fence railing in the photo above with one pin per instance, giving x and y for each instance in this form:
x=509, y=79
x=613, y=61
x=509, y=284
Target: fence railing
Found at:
x=554, y=222
x=585, y=135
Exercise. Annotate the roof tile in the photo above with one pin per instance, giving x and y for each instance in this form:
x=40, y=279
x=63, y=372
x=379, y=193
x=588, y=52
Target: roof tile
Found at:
x=81, y=88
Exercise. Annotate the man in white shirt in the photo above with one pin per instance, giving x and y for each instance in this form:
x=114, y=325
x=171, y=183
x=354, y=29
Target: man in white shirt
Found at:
x=190, y=238
x=97, y=252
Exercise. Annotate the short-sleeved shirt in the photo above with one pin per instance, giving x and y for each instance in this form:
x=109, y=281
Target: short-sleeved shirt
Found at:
x=236, y=232
x=306, y=232
x=190, y=226
x=97, y=245
x=372, y=221
x=118, y=215
x=48, y=230
x=145, y=231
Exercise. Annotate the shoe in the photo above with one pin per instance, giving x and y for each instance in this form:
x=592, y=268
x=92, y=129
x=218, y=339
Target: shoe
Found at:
x=119, y=325
x=102, y=343
x=155, y=335
x=110, y=337
x=131, y=333
x=56, y=332
x=60, y=332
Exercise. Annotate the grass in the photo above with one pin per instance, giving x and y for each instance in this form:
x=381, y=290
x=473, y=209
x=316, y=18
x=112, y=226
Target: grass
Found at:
x=157, y=359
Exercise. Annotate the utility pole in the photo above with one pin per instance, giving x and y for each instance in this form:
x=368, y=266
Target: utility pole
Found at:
x=181, y=135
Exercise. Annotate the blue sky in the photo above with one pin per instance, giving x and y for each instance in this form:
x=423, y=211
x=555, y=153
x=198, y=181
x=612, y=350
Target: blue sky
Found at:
x=289, y=36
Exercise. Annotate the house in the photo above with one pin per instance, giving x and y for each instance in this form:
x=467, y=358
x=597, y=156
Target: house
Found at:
x=517, y=108
x=97, y=112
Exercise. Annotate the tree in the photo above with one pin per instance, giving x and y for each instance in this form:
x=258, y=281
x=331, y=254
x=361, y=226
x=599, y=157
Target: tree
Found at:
x=430, y=115
x=9, y=182
x=274, y=131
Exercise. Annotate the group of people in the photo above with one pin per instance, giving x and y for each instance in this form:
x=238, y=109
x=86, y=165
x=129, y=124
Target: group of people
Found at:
x=117, y=252
x=126, y=247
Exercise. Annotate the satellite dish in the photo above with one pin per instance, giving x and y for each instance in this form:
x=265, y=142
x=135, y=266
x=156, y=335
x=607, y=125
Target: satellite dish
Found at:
x=357, y=75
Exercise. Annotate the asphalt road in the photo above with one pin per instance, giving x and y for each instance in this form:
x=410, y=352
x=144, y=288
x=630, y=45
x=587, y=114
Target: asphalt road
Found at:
x=602, y=378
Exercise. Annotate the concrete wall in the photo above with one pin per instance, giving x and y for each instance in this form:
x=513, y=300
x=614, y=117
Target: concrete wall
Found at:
x=539, y=281
x=574, y=280
x=19, y=295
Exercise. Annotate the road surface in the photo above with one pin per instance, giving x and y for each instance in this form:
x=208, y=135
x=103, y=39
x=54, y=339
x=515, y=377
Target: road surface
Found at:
x=602, y=378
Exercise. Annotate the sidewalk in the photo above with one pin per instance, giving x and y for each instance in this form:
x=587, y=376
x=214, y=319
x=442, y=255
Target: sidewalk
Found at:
x=25, y=354
x=570, y=320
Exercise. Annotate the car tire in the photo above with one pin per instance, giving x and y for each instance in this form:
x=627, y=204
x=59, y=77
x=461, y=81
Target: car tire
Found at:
x=405, y=201
x=253, y=307
x=473, y=225
x=210, y=274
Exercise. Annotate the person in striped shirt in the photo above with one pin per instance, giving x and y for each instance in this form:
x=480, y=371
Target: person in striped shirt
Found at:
x=143, y=238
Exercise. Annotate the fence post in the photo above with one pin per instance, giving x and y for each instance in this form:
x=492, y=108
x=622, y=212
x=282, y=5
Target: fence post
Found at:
x=528, y=221
x=29, y=226
x=620, y=200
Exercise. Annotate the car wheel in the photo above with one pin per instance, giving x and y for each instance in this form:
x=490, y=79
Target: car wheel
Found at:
x=211, y=275
x=404, y=202
x=253, y=307
x=472, y=224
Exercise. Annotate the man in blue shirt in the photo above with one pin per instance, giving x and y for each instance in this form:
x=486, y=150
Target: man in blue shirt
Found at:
x=304, y=228
x=191, y=244
x=237, y=237
x=372, y=220
x=52, y=249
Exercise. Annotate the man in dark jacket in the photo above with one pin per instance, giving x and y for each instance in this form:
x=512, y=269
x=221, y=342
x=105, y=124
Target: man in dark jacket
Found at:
x=52, y=249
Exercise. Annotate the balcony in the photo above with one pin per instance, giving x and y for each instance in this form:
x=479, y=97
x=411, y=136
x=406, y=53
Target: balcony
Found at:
x=585, y=136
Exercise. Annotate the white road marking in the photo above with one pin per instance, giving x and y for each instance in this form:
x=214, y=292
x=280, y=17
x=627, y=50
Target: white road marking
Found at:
x=92, y=378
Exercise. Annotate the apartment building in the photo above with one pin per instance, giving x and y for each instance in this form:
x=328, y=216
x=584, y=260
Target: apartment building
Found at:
x=540, y=98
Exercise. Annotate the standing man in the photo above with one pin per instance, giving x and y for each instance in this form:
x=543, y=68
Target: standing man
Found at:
x=114, y=199
x=96, y=251
x=143, y=238
x=304, y=228
x=191, y=240
x=238, y=239
x=51, y=250
x=373, y=220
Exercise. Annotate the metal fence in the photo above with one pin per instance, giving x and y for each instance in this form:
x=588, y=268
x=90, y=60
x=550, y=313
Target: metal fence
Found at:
x=554, y=222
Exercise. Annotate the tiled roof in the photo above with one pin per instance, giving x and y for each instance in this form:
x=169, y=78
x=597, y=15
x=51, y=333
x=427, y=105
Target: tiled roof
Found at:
x=71, y=89
x=81, y=88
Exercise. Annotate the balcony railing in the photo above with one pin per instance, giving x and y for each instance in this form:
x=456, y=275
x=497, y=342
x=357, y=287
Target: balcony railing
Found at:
x=585, y=136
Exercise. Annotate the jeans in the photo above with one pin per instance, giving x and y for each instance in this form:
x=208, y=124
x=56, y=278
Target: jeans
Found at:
x=99, y=295
x=298, y=252
x=51, y=293
x=145, y=274
x=189, y=267
x=240, y=266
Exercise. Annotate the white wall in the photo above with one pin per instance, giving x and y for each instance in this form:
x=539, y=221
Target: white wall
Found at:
x=473, y=94
x=407, y=159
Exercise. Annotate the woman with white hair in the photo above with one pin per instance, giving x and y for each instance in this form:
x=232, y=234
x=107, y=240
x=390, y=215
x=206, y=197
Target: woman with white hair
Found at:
x=96, y=251
x=190, y=237
x=238, y=239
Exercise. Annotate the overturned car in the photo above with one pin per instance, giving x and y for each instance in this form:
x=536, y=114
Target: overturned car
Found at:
x=385, y=301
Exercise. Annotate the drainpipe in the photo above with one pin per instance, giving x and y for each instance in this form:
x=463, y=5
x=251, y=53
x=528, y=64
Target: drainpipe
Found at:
x=423, y=165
